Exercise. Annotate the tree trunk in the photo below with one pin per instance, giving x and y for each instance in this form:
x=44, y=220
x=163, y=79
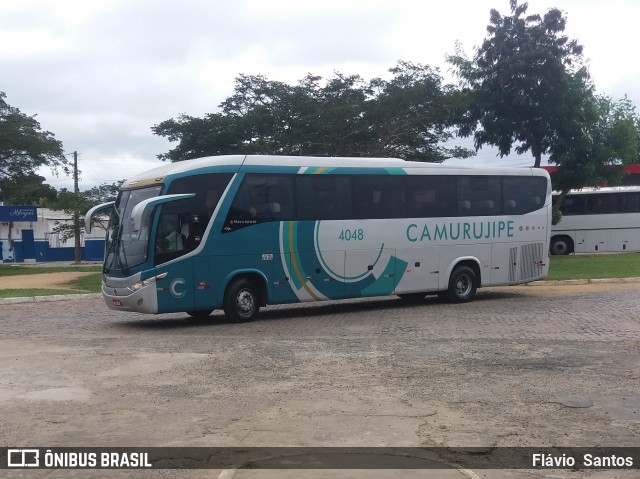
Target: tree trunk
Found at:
x=538, y=160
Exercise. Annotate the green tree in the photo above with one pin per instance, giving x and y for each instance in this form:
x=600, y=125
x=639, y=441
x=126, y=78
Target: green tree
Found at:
x=70, y=202
x=413, y=115
x=524, y=83
x=408, y=116
x=24, y=146
x=593, y=149
x=27, y=189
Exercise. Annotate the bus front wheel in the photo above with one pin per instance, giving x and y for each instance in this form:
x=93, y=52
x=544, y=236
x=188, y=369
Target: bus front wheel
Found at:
x=463, y=284
x=561, y=245
x=241, y=301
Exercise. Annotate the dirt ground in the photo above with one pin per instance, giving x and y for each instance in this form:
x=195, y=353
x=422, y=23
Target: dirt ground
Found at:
x=554, y=364
x=41, y=281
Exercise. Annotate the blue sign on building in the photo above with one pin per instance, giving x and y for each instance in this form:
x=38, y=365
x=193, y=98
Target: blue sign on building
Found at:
x=18, y=213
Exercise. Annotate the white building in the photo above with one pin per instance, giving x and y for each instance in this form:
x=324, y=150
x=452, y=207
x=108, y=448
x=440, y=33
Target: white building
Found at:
x=26, y=235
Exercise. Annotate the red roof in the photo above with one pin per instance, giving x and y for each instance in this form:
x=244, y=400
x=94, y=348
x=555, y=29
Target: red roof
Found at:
x=627, y=168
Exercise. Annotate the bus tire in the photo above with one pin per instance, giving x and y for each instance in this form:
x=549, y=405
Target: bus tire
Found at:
x=200, y=314
x=561, y=245
x=463, y=284
x=241, y=301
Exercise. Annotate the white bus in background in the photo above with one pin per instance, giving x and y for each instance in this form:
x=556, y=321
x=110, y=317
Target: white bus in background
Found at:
x=596, y=220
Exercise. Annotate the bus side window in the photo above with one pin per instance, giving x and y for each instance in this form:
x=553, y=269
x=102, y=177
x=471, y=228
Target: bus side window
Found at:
x=194, y=213
x=484, y=193
x=523, y=195
x=271, y=196
x=323, y=197
x=169, y=240
x=535, y=202
x=431, y=196
x=602, y=204
x=464, y=207
x=379, y=196
x=631, y=203
x=261, y=198
x=485, y=207
x=211, y=201
x=574, y=205
x=510, y=207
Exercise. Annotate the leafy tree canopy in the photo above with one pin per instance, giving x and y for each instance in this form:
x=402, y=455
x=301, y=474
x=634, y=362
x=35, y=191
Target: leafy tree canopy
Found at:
x=525, y=81
x=82, y=202
x=409, y=116
x=24, y=146
x=27, y=189
x=85, y=200
x=593, y=150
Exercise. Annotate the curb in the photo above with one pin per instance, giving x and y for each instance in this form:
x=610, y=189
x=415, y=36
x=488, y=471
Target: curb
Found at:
x=583, y=281
x=46, y=299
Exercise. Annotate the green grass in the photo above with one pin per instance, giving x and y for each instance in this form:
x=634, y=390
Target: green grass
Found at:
x=594, y=266
x=90, y=283
x=11, y=270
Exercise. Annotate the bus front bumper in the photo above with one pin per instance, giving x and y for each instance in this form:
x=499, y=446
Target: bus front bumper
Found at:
x=138, y=296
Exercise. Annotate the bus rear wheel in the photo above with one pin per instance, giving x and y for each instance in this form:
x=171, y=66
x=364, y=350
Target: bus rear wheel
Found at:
x=241, y=301
x=561, y=245
x=463, y=284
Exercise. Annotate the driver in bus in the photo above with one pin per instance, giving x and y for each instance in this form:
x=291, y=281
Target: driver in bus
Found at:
x=169, y=237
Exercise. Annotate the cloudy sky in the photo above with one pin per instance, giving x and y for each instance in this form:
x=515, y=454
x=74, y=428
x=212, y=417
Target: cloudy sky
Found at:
x=100, y=73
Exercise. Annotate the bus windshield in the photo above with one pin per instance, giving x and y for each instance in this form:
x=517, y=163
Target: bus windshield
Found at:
x=126, y=247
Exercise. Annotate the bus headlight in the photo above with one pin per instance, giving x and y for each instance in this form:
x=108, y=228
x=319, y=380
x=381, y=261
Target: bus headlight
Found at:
x=142, y=284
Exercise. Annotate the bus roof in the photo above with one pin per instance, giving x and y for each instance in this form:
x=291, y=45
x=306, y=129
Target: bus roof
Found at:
x=156, y=175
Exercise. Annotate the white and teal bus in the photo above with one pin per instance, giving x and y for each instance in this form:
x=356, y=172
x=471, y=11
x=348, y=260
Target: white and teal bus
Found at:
x=240, y=232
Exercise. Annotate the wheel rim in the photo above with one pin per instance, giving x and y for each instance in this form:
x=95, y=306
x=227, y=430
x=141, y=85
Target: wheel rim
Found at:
x=463, y=285
x=244, y=301
x=560, y=247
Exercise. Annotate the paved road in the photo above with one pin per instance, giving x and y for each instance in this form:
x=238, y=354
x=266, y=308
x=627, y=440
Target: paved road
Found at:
x=520, y=366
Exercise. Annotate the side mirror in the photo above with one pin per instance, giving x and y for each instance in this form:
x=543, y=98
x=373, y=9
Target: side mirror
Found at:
x=93, y=211
x=140, y=212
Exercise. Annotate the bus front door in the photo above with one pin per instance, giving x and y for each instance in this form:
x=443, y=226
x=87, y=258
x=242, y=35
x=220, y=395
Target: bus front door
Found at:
x=176, y=289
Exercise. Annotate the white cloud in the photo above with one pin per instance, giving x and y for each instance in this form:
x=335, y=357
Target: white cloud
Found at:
x=99, y=74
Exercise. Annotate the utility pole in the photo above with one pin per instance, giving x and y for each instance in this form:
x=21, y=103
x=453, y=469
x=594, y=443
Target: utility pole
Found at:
x=76, y=213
